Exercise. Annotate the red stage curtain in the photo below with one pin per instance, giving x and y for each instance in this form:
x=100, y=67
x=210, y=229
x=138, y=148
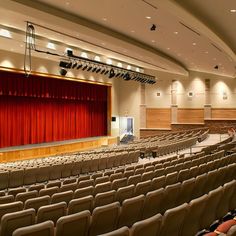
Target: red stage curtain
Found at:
x=39, y=109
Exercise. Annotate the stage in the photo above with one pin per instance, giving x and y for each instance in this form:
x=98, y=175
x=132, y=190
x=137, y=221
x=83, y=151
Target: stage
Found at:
x=54, y=148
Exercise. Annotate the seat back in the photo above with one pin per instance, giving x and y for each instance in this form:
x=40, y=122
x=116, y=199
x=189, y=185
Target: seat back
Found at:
x=86, y=183
x=104, y=219
x=143, y=187
x=12, y=221
x=10, y=207
x=37, y=202
x=51, y=212
x=25, y=196
x=4, y=176
x=119, y=183
x=104, y=198
x=80, y=204
x=131, y=211
x=6, y=199
x=134, y=179
x=75, y=224
x=150, y=226
x=16, y=178
x=186, y=189
x=125, y=193
x=153, y=203
x=173, y=220
x=158, y=182
x=123, y=231
x=62, y=197
x=42, y=229
x=48, y=191
x=101, y=188
x=83, y=192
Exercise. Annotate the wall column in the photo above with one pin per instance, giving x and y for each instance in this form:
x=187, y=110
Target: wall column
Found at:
x=207, y=106
x=142, y=107
x=174, y=106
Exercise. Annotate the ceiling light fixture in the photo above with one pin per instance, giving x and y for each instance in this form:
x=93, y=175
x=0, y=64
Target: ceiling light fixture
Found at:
x=51, y=46
x=233, y=10
x=176, y=32
x=153, y=27
x=148, y=17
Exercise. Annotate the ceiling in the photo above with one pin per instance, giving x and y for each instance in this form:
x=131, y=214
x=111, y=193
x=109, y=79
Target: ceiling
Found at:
x=190, y=35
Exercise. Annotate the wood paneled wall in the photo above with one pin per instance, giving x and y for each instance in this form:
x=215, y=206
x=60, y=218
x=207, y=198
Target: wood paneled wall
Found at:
x=158, y=117
x=223, y=113
x=190, y=115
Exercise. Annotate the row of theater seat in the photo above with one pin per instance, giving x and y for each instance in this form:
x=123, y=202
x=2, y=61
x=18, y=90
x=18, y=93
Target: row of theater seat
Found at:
x=175, y=221
x=118, y=180
x=204, y=180
x=143, y=182
x=170, y=166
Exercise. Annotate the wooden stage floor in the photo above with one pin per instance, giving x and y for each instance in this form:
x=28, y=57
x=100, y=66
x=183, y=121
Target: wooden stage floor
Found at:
x=54, y=148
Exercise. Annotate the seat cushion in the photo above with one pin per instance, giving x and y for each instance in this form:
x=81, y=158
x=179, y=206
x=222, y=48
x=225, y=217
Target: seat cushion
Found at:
x=224, y=227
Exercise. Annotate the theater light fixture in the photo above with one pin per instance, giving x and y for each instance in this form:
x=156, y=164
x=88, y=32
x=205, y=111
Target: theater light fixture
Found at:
x=5, y=33
x=111, y=73
x=63, y=71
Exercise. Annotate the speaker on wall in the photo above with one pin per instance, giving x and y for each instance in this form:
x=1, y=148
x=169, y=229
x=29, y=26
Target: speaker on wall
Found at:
x=113, y=118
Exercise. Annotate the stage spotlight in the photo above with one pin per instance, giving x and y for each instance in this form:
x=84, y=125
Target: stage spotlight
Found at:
x=63, y=71
x=70, y=53
x=106, y=72
x=98, y=69
x=79, y=66
x=94, y=69
x=74, y=65
x=85, y=67
x=153, y=27
x=111, y=74
x=127, y=76
x=103, y=71
x=90, y=68
x=65, y=64
x=216, y=67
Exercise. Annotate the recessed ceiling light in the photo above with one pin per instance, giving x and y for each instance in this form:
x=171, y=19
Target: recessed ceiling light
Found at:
x=119, y=64
x=233, y=10
x=206, y=52
x=97, y=58
x=194, y=44
x=176, y=32
x=128, y=67
x=51, y=46
x=67, y=3
x=5, y=33
x=148, y=17
x=168, y=48
x=132, y=31
x=153, y=41
x=84, y=54
x=104, y=19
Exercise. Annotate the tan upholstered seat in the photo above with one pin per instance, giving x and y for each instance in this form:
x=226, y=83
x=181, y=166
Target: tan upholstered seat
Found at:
x=104, y=219
x=75, y=224
x=80, y=204
x=42, y=229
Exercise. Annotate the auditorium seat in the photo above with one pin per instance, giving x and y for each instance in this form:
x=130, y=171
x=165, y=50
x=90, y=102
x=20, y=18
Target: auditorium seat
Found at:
x=69, y=181
x=104, y=198
x=101, y=188
x=232, y=231
x=42, y=229
x=186, y=190
x=196, y=210
x=62, y=197
x=200, y=183
x=16, y=178
x=30, y=175
x=96, y=175
x=131, y=211
x=75, y=224
x=12, y=221
x=15, y=191
x=183, y=175
x=68, y=187
x=54, y=184
x=80, y=204
x=116, y=175
x=100, y=180
x=142, y=187
x=83, y=192
x=150, y=226
x=4, y=176
x=172, y=220
x=104, y=219
x=37, y=202
x=10, y=207
x=123, y=231
x=171, y=178
x=213, y=200
x=158, y=182
x=36, y=187
x=26, y=195
x=6, y=199
x=119, y=183
x=152, y=203
x=48, y=191
x=147, y=176
x=83, y=177
x=85, y=183
x=109, y=172
x=125, y=193
x=135, y=179
x=51, y=212
x=43, y=174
